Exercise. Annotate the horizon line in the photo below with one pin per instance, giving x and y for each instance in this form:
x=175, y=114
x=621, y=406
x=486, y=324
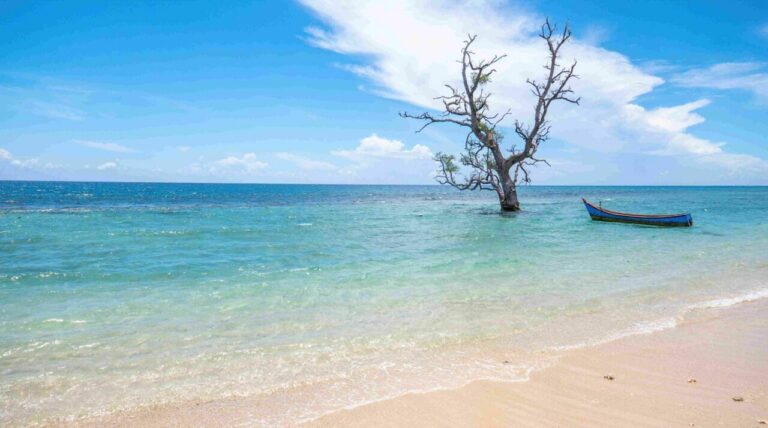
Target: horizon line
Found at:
x=363, y=184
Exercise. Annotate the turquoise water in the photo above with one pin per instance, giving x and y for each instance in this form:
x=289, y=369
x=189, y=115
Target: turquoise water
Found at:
x=306, y=299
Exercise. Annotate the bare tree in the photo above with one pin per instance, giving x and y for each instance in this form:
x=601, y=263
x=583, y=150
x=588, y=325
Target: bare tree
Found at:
x=467, y=106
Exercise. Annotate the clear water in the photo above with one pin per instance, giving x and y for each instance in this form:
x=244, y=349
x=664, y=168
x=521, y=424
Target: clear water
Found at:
x=306, y=299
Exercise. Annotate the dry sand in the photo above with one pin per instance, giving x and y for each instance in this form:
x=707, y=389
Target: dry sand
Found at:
x=692, y=375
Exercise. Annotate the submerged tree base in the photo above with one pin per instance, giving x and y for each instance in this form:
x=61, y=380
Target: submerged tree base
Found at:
x=508, y=195
x=510, y=207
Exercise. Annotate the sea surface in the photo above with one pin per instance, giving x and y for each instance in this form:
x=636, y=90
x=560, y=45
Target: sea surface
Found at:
x=307, y=299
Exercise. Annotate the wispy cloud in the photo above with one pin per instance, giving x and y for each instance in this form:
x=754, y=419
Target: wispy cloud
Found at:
x=763, y=30
x=596, y=35
x=662, y=67
x=106, y=166
x=55, y=110
x=34, y=98
x=306, y=163
x=109, y=147
x=55, y=98
x=28, y=163
x=674, y=121
x=747, y=76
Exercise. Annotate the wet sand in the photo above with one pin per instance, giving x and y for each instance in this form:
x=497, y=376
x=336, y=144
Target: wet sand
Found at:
x=711, y=370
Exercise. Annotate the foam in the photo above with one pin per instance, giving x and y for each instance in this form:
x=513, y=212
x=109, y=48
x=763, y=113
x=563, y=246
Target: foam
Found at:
x=641, y=328
x=648, y=327
x=731, y=301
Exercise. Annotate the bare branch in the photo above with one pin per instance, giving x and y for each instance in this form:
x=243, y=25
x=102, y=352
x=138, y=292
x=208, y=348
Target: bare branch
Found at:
x=431, y=119
x=554, y=88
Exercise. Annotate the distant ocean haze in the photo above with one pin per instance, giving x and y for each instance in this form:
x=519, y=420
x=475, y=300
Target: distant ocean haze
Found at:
x=310, y=298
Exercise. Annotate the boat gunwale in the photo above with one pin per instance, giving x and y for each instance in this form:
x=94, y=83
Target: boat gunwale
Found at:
x=641, y=222
x=619, y=213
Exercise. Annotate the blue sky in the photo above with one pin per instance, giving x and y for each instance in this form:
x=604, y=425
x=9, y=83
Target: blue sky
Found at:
x=309, y=91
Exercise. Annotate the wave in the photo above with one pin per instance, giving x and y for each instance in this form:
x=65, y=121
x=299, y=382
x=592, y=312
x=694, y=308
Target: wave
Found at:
x=653, y=326
x=730, y=301
x=644, y=327
x=61, y=320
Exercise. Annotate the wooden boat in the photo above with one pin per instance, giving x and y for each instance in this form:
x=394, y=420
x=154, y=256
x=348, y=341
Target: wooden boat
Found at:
x=670, y=220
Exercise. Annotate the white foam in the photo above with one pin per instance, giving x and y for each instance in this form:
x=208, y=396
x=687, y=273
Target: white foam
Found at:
x=61, y=320
x=89, y=345
x=526, y=370
x=645, y=327
x=730, y=301
x=648, y=327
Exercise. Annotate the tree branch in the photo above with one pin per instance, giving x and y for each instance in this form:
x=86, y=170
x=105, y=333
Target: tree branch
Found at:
x=554, y=88
x=468, y=106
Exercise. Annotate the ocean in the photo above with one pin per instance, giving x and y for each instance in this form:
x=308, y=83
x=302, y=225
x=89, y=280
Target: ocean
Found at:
x=306, y=299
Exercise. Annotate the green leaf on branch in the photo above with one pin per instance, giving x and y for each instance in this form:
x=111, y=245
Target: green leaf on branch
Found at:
x=448, y=162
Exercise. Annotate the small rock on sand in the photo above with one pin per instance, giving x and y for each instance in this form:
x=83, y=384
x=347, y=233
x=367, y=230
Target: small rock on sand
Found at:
x=737, y=399
x=691, y=380
x=608, y=377
x=762, y=422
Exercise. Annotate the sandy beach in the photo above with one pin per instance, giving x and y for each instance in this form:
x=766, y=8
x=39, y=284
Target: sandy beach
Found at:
x=711, y=370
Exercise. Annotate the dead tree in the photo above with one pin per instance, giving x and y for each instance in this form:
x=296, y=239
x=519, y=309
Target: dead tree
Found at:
x=489, y=167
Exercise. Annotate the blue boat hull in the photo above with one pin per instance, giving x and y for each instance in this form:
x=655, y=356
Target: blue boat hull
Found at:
x=672, y=220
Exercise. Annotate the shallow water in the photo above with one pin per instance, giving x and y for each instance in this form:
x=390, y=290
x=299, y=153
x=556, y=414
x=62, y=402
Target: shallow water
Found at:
x=313, y=298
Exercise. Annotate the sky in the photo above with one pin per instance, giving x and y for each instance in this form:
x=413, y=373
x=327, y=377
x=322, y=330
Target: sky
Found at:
x=672, y=92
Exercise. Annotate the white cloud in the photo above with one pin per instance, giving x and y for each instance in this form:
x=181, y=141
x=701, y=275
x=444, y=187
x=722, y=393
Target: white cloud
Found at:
x=55, y=111
x=374, y=146
x=668, y=125
x=747, y=76
x=247, y=163
x=106, y=166
x=676, y=119
x=306, y=163
x=5, y=155
x=378, y=160
x=110, y=147
x=414, y=46
x=184, y=149
x=731, y=168
x=410, y=50
x=26, y=163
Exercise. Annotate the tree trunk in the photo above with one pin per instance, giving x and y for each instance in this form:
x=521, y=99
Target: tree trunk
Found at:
x=508, y=201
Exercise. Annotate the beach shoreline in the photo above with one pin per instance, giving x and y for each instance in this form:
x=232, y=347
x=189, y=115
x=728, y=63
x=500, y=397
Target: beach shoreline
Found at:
x=711, y=369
